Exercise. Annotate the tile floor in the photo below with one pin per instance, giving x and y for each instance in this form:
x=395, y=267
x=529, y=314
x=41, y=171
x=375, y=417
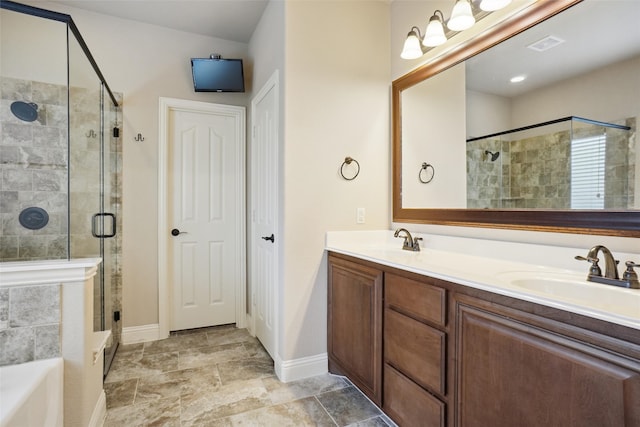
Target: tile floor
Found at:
x=222, y=376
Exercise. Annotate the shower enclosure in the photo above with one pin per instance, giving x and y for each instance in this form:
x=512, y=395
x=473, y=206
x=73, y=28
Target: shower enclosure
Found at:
x=568, y=163
x=60, y=154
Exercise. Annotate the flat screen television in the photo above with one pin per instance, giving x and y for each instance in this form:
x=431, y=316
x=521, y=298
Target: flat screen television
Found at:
x=217, y=75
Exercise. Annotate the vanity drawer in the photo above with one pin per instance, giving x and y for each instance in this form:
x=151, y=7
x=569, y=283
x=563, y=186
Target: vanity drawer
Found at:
x=416, y=299
x=415, y=349
x=408, y=404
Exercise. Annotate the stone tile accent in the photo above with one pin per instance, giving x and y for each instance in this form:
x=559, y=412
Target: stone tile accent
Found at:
x=29, y=323
x=4, y=308
x=16, y=346
x=34, y=305
x=47, y=341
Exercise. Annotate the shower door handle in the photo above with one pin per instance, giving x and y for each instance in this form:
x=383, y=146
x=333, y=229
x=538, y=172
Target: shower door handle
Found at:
x=94, y=228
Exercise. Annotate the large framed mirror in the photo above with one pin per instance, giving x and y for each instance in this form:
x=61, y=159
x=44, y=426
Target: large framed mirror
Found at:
x=471, y=148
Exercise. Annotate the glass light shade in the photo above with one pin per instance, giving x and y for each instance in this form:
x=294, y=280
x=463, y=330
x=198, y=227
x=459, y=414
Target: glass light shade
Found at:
x=461, y=16
x=411, y=49
x=492, y=5
x=434, y=34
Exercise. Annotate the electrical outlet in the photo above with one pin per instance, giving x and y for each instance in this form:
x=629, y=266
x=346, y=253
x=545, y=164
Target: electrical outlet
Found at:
x=360, y=216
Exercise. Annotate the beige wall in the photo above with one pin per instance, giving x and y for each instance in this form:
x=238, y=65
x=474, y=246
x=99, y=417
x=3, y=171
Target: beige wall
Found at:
x=432, y=133
x=46, y=42
x=597, y=95
x=336, y=105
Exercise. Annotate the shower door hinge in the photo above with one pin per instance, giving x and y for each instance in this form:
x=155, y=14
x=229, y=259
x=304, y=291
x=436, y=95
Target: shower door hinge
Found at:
x=116, y=316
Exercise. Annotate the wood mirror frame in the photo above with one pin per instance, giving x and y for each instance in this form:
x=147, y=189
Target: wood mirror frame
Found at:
x=599, y=222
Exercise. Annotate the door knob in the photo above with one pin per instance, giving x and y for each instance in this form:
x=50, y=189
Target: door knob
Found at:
x=272, y=238
x=176, y=232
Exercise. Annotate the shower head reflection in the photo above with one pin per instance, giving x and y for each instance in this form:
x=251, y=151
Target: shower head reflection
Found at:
x=494, y=156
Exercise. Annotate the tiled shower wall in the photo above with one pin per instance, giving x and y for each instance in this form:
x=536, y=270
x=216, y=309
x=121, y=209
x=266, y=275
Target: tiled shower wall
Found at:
x=487, y=182
x=535, y=172
x=29, y=323
x=33, y=168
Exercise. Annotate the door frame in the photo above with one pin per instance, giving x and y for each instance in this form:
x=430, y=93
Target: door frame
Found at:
x=272, y=84
x=166, y=105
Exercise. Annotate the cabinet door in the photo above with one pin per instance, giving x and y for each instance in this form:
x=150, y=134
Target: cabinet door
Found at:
x=512, y=374
x=355, y=324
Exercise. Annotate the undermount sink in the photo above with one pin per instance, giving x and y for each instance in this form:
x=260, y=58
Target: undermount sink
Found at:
x=575, y=289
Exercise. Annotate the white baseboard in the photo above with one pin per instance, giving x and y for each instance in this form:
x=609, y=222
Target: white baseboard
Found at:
x=99, y=411
x=297, y=369
x=137, y=334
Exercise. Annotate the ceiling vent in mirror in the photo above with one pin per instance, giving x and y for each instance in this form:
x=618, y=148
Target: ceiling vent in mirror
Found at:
x=546, y=43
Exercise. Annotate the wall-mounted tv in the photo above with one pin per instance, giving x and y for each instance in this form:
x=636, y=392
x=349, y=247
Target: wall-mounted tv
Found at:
x=217, y=75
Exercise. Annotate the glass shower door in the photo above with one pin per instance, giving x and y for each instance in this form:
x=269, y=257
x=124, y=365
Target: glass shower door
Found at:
x=92, y=204
x=111, y=228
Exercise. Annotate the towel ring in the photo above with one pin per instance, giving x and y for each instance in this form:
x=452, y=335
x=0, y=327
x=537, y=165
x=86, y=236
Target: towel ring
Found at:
x=347, y=161
x=428, y=176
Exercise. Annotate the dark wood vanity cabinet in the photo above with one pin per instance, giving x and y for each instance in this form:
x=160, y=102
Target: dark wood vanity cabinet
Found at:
x=435, y=353
x=514, y=369
x=415, y=357
x=355, y=324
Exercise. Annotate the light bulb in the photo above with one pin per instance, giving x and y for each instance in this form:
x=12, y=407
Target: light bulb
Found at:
x=461, y=16
x=411, y=49
x=434, y=34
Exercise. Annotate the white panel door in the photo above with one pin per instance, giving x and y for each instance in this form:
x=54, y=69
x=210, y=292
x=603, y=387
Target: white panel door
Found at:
x=202, y=187
x=265, y=213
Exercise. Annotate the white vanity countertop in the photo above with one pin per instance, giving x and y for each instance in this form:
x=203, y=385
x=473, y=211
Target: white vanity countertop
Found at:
x=554, y=286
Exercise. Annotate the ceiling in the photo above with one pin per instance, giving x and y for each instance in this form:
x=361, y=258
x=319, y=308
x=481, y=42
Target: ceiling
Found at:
x=595, y=33
x=232, y=20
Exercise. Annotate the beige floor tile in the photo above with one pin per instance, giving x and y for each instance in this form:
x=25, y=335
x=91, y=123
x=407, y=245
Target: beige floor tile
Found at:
x=235, y=398
x=178, y=383
x=222, y=376
x=211, y=355
x=153, y=364
x=120, y=393
x=348, y=405
x=239, y=370
x=176, y=343
x=280, y=392
x=159, y=412
x=229, y=336
x=299, y=413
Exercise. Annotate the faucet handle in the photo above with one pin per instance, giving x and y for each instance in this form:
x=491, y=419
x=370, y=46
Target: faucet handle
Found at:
x=595, y=268
x=630, y=276
x=416, y=243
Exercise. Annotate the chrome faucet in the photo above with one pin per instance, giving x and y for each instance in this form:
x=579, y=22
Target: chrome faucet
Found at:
x=611, y=277
x=410, y=243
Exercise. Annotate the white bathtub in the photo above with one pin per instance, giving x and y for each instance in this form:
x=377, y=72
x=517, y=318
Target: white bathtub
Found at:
x=31, y=394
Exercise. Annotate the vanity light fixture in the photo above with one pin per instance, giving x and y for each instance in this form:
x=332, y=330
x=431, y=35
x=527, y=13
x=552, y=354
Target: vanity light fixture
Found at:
x=493, y=5
x=461, y=16
x=434, y=34
x=412, y=48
